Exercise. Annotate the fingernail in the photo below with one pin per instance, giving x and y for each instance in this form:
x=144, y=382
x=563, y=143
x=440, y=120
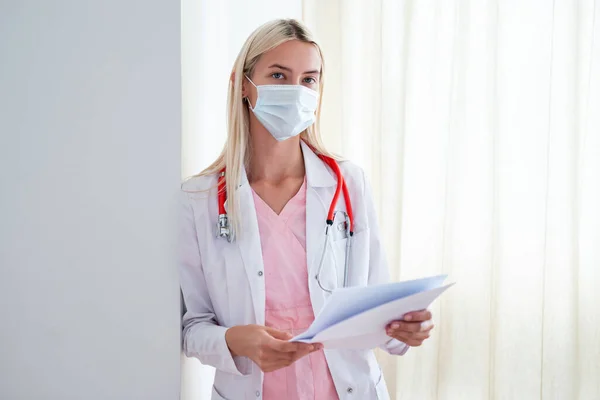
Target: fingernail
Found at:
x=395, y=325
x=408, y=318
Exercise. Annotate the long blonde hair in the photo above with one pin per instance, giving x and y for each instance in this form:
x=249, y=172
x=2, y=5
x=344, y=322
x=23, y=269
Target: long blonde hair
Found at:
x=235, y=152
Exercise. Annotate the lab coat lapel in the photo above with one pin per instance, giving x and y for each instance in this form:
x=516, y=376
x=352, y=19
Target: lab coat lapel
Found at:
x=320, y=189
x=248, y=242
x=316, y=215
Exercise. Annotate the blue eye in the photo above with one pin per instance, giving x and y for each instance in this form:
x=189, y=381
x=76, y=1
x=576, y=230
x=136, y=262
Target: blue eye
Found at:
x=277, y=75
x=310, y=80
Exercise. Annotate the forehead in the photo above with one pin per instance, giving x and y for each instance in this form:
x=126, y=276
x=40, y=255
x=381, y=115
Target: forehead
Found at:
x=297, y=55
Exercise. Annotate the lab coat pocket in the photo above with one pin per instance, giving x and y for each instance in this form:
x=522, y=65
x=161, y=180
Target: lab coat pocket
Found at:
x=378, y=379
x=339, y=256
x=358, y=259
x=225, y=278
x=338, y=239
x=216, y=395
x=381, y=389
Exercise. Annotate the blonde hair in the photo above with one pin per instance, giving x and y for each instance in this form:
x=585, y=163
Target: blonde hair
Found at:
x=235, y=152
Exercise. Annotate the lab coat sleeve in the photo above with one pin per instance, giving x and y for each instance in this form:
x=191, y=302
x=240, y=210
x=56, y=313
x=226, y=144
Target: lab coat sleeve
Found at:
x=378, y=268
x=202, y=336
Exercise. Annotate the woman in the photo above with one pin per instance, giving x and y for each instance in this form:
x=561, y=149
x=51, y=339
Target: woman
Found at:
x=260, y=279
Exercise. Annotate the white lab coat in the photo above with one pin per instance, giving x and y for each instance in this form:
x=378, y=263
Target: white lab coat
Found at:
x=223, y=284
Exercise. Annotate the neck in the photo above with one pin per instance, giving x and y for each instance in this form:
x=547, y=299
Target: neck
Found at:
x=271, y=160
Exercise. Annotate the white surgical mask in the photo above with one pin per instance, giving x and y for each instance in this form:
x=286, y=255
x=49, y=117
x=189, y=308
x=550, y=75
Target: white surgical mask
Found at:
x=285, y=110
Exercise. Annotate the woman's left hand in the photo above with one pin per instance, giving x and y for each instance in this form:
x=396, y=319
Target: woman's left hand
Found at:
x=413, y=329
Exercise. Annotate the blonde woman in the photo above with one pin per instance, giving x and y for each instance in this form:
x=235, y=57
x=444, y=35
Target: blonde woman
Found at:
x=256, y=264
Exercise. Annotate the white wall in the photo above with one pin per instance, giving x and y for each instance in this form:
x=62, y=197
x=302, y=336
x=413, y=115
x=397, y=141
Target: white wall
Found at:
x=89, y=165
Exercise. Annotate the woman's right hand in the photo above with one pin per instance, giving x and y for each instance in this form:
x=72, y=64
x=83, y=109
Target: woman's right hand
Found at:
x=267, y=347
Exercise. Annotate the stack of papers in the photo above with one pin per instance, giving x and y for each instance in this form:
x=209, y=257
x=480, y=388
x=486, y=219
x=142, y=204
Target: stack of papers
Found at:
x=356, y=317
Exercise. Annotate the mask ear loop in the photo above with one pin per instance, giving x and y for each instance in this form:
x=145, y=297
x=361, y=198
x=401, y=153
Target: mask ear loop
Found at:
x=250, y=80
x=246, y=98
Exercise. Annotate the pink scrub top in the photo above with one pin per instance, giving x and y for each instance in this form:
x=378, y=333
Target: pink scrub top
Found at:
x=288, y=305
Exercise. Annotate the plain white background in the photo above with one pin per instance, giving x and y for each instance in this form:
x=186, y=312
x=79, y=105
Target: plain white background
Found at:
x=89, y=167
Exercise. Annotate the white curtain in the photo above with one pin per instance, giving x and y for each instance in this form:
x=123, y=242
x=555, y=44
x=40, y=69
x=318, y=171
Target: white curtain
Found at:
x=478, y=123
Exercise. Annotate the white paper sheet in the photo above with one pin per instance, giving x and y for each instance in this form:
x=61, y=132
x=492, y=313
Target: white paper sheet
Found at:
x=356, y=317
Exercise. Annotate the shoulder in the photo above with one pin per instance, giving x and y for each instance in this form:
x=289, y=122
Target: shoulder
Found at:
x=360, y=194
x=353, y=175
x=199, y=183
x=197, y=191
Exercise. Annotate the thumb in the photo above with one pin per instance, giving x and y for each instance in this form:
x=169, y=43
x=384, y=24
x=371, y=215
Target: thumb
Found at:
x=278, y=334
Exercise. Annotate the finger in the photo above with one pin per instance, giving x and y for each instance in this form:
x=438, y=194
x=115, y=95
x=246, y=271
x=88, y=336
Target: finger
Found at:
x=274, y=365
x=282, y=346
x=271, y=360
x=400, y=326
x=407, y=337
x=277, y=334
x=417, y=316
x=415, y=335
x=427, y=326
x=401, y=336
x=272, y=356
x=411, y=339
x=288, y=347
x=303, y=353
x=421, y=335
x=291, y=356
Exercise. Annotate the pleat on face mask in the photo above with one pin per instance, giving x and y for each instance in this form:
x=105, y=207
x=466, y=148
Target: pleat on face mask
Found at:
x=285, y=110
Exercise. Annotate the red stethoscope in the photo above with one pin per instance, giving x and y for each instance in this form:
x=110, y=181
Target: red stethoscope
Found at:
x=223, y=224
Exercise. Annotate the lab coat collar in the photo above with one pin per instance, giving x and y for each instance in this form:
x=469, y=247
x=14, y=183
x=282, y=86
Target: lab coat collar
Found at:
x=317, y=173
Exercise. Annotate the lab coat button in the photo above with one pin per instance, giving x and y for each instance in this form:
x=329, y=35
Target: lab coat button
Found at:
x=260, y=273
x=257, y=393
x=350, y=390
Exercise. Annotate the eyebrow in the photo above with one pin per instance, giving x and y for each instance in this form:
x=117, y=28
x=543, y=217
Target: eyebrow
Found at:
x=314, y=71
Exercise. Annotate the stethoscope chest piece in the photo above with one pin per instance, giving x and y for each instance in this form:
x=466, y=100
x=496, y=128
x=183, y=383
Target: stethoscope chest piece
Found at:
x=223, y=227
x=341, y=226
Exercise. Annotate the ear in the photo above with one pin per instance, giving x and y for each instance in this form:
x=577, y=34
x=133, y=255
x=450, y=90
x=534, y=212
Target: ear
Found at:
x=244, y=89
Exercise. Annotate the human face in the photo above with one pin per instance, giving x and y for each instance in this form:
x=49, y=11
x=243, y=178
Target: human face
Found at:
x=291, y=63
